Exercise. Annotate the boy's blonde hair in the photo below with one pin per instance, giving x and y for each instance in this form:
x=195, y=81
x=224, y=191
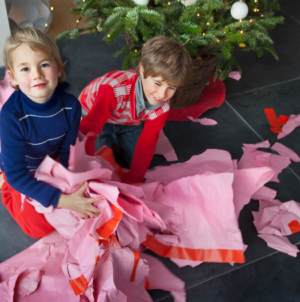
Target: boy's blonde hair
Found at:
x=38, y=41
x=166, y=58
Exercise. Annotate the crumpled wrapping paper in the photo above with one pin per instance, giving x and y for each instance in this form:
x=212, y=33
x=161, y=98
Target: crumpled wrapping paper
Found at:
x=187, y=212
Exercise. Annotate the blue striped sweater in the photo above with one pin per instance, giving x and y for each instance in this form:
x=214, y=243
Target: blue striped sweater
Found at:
x=30, y=131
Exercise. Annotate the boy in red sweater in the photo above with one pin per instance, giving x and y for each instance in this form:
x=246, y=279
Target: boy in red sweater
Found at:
x=130, y=109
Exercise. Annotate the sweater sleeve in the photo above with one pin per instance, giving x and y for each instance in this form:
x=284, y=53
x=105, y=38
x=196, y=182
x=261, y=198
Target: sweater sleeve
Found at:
x=15, y=166
x=71, y=135
x=97, y=116
x=145, y=148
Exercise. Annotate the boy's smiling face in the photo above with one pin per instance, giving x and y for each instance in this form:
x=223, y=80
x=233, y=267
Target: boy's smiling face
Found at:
x=35, y=72
x=155, y=89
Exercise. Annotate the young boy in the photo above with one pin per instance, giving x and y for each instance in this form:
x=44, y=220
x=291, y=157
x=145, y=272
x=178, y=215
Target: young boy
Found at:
x=130, y=109
x=39, y=119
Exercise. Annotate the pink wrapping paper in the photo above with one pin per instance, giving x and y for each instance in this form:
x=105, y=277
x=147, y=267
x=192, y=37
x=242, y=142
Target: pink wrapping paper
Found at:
x=275, y=220
x=203, y=121
x=285, y=151
x=255, y=158
x=165, y=148
x=189, y=209
x=234, y=75
x=292, y=123
x=5, y=89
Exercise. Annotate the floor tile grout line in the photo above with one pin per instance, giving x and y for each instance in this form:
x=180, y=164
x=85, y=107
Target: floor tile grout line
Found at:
x=259, y=88
x=294, y=19
x=289, y=168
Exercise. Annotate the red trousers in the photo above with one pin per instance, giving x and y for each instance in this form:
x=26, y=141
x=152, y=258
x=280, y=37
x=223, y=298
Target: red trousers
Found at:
x=31, y=222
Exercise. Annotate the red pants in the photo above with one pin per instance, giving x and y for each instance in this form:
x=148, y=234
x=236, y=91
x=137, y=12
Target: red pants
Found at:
x=31, y=222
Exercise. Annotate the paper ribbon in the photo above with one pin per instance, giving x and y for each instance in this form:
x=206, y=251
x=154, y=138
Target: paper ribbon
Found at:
x=147, y=283
x=79, y=285
x=275, y=122
x=108, y=227
x=208, y=255
x=135, y=262
x=294, y=226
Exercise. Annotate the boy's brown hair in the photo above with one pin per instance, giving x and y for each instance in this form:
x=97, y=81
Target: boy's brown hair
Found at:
x=38, y=41
x=166, y=58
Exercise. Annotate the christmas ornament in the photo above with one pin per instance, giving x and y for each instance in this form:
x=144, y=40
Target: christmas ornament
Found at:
x=188, y=2
x=239, y=10
x=141, y=2
x=31, y=13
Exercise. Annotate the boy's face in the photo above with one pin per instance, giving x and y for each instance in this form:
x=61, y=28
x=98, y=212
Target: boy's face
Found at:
x=35, y=72
x=156, y=90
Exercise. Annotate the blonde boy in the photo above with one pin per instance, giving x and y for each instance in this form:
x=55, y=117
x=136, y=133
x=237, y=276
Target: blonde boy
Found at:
x=130, y=109
x=39, y=119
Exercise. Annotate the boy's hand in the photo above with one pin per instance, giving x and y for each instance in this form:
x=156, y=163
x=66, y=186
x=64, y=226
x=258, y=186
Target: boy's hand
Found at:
x=80, y=204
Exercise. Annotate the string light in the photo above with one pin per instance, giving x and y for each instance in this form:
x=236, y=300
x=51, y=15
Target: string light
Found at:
x=169, y=3
x=207, y=23
x=83, y=0
x=241, y=32
x=203, y=34
x=108, y=36
x=185, y=5
x=240, y=20
x=135, y=50
x=46, y=24
x=52, y=8
x=218, y=40
x=255, y=1
x=262, y=16
x=77, y=21
x=250, y=20
x=198, y=15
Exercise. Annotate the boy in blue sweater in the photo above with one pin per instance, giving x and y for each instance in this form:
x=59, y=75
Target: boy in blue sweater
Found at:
x=39, y=119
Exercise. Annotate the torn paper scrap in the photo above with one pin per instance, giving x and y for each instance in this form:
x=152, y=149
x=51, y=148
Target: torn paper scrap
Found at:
x=234, y=75
x=203, y=121
x=285, y=151
x=281, y=244
x=164, y=147
x=292, y=123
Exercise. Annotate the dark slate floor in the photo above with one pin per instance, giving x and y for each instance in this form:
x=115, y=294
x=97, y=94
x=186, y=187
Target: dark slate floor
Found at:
x=267, y=275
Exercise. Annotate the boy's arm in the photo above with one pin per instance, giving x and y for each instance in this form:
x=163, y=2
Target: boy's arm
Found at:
x=98, y=115
x=71, y=135
x=145, y=148
x=15, y=167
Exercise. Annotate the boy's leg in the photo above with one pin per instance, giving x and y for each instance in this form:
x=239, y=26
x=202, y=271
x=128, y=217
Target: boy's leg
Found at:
x=31, y=222
x=105, y=137
x=128, y=136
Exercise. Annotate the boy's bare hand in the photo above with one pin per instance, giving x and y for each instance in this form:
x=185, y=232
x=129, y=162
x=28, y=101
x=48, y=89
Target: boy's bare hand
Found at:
x=80, y=204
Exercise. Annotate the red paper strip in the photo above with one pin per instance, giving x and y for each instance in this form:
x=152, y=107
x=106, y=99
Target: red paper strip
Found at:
x=276, y=123
x=208, y=255
x=108, y=227
x=79, y=285
x=135, y=262
x=294, y=226
x=147, y=283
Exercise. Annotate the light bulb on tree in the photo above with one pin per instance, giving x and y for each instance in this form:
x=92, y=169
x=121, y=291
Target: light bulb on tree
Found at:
x=239, y=10
x=141, y=2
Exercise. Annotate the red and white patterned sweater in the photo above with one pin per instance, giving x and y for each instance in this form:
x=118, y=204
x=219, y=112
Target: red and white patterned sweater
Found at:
x=111, y=98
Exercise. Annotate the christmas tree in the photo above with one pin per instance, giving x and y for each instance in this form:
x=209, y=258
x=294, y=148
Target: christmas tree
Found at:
x=204, y=27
